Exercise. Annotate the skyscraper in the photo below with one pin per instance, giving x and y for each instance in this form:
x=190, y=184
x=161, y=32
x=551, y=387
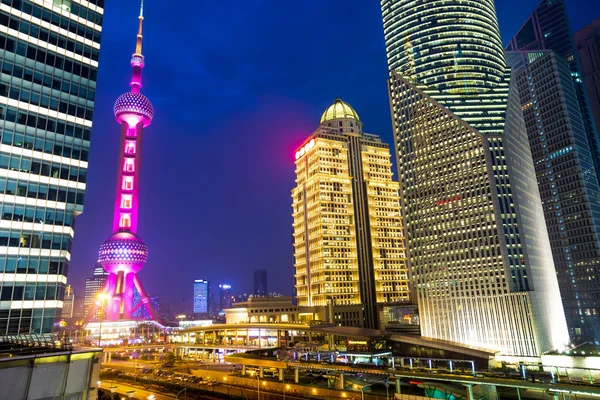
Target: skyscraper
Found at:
x=347, y=224
x=124, y=253
x=224, y=297
x=93, y=287
x=69, y=303
x=260, y=282
x=587, y=42
x=49, y=62
x=567, y=181
x=201, y=295
x=548, y=28
x=559, y=119
x=479, y=251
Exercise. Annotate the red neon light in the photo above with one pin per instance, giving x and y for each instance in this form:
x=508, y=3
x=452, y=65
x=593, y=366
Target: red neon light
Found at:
x=450, y=200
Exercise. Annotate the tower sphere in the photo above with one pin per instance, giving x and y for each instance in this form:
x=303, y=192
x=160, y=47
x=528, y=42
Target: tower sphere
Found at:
x=123, y=251
x=132, y=108
x=339, y=109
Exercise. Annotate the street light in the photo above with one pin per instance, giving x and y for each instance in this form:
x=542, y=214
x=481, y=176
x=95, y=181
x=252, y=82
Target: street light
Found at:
x=257, y=382
x=102, y=297
x=182, y=390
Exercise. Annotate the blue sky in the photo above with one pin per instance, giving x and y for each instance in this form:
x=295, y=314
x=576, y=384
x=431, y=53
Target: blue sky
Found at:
x=237, y=86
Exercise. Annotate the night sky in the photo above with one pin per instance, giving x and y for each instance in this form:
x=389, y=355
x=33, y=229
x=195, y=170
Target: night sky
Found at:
x=236, y=87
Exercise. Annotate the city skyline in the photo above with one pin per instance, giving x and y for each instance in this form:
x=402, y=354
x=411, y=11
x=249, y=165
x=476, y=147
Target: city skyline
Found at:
x=280, y=124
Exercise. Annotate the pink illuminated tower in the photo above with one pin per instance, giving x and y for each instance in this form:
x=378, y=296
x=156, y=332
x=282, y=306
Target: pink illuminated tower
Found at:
x=124, y=253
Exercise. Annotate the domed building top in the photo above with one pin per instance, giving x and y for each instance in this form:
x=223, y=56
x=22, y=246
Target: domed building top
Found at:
x=339, y=109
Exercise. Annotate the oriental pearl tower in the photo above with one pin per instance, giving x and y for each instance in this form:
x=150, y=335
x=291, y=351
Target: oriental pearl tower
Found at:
x=124, y=253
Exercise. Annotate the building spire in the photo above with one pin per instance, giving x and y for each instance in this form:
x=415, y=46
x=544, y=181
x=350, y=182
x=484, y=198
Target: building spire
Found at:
x=138, y=45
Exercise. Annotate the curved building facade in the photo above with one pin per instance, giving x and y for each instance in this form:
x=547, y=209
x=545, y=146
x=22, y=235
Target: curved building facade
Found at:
x=478, y=246
x=448, y=45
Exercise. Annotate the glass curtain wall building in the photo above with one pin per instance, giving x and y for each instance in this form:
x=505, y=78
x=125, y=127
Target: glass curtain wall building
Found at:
x=49, y=60
x=201, y=295
x=563, y=121
x=567, y=181
x=479, y=252
x=548, y=28
x=348, y=241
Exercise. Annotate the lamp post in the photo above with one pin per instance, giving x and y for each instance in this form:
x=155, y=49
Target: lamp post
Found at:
x=257, y=382
x=182, y=390
x=102, y=297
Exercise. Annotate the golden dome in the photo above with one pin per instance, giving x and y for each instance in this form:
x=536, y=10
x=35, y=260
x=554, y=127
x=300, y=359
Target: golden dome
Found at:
x=339, y=109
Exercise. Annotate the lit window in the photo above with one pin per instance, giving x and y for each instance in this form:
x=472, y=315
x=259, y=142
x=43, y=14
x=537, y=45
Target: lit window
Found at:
x=129, y=165
x=127, y=183
x=125, y=221
x=126, y=201
x=129, y=147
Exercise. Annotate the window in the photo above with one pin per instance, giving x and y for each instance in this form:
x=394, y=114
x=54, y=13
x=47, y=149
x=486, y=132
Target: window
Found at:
x=129, y=165
x=125, y=221
x=130, y=147
x=127, y=183
x=126, y=201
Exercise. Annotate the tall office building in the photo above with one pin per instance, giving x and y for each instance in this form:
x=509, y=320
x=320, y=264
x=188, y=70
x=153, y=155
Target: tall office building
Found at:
x=575, y=252
x=479, y=252
x=260, y=282
x=49, y=61
x=587, y=42
x=201, y=296
x=225, y=298
x=567, y=182
x=68, y=303
x=548, y=28
x=93, y=287
x=348, y=241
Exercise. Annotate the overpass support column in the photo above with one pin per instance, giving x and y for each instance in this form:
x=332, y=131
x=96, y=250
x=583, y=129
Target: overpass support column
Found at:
x=244, y=370
x=554, y=396
x=296, y=375
x=342, y=382
x=281, y=376
x=278, y=338
x=398, y=388
x=490, y=392
x=469, y=392
x=261, y=372
x=109, y=356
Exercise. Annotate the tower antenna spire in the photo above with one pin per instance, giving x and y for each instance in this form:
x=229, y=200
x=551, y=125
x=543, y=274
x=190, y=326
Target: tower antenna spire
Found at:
x=138, y=44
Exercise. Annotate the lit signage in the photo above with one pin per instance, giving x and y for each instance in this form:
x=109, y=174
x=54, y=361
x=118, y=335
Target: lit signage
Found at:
x=305, y=149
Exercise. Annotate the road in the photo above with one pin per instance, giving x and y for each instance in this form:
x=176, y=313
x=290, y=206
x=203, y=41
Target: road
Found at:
x=139, y=393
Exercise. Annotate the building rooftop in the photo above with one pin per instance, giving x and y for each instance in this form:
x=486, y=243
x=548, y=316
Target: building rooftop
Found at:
x=339, y=109
x=32, y=345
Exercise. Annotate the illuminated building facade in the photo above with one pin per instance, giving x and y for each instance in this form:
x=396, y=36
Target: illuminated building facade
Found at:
x=479, y=253
x=68, y=303
x=548, y=28
x=225, y=298
x=201, y=296
x=567, y=181
x=348, y=241
x=571, y=205
x=93, y=287
x=124, y=253
x=49, y=55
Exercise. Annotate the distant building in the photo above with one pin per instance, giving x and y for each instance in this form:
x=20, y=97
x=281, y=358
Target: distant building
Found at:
x=142, y=312
x=68, y=303
x=225, y=298
x=93, y=286
x=348, y=240
x=201, y=296
x=587, y=42
x=260, y=282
